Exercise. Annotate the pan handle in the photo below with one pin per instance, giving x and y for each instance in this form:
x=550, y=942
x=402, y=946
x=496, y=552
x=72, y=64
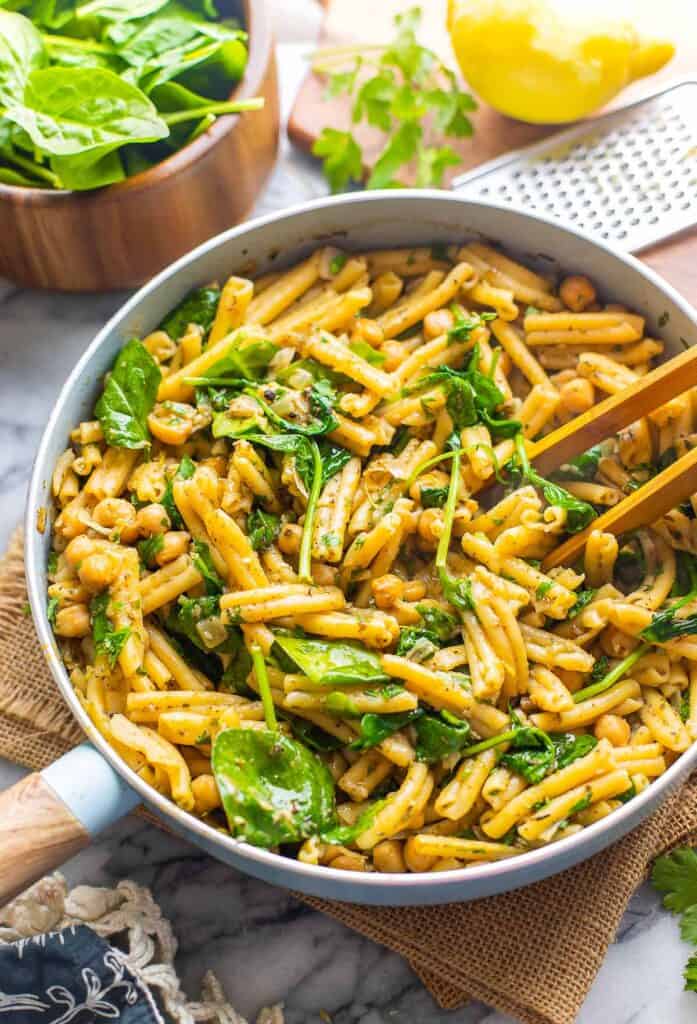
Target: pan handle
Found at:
x=49, y=816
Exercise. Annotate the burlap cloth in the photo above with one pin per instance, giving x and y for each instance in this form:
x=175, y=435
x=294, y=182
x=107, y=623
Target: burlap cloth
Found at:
x=531, y=953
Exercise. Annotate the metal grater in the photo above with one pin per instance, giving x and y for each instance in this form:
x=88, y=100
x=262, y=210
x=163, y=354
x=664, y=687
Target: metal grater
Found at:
x=629, y=177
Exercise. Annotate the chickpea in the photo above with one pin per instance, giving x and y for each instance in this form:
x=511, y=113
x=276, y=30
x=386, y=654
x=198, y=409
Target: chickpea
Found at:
x=577, y=293
x=174, y=544
x=414, y=590
x=437, y=323
x=99, y=569
x=79, y=548
x=387, y=590
x=289, y=538
x=387, y=856
x=206, y=795
x=577, y=395
x=614, y=729
x=417, y=861
x=73, y=621
x=369, y=331
x=349, y=861
x=152, y=519
x=172, y=422
x=118, y=514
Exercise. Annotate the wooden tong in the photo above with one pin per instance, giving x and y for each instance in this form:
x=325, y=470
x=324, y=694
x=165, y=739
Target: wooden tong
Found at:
x=673, y=485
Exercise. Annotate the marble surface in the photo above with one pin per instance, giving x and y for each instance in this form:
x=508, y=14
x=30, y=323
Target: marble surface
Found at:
x=265, y=946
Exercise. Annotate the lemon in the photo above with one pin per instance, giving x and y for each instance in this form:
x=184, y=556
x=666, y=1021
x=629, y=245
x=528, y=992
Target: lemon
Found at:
x=549, y=61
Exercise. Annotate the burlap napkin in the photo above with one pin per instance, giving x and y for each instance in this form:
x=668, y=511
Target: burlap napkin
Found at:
x=531, y=953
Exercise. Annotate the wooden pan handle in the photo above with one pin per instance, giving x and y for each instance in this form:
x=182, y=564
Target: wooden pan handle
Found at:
x=47, y=818
x=37, y=834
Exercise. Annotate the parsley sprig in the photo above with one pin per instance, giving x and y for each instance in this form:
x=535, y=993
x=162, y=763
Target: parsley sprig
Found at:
x=408, y=82
x=675, y=875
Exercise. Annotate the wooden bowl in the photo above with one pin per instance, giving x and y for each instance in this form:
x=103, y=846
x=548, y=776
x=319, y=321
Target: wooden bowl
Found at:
x=119, y=236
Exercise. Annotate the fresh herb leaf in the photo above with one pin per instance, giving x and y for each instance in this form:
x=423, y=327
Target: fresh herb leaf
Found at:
x=675, y=875
x=583, y=598
x=433, y=497
x=51, y=610
x=438, y=621
x=107, y=641
x=582, y=804
x=418, y=644
x=262, y=529
x=128, y=397
x=408, y=83
x=330, y=663
x=338, y=262
x=184, y=471
x=203, y=561
x=440, y=735
x=199, y=307
x=373, y=729
x=371, y=355
x=149, y=548
x=466, y=323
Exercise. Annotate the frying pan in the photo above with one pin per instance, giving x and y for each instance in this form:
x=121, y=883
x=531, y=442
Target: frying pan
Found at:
x=47, y=817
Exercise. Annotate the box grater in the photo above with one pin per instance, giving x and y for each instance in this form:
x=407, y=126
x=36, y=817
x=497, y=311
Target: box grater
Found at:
x=628, y=177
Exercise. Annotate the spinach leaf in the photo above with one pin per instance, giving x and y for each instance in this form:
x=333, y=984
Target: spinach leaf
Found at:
x=329, y=663
x=128, y=397
x=433, y=497
x=107, y=640
x=297, y=373
x=333, y=457
x=440, y=622
x=465, y=324
x=345, y=834
x=52, y=610
x=198, y=619
x=419, y=644
x=202, y=561
x=85, y=112
x=440, y=735
x=233, y=426
x=531, y=753
x=120, y=10
x=314, y=737
x=247, y=357
x=262, y=529
x=583, y=598
x=185, y=471
x=273, y=789
x=664, y=625
x=583, y=467
x=199, y=307
x=234, y=678
x=149, y=548
x=569, y=747
x=376, y=728
x=321, y=401
x=21, y=52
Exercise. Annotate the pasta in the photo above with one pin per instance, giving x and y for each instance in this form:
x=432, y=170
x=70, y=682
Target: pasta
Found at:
x=277, y=559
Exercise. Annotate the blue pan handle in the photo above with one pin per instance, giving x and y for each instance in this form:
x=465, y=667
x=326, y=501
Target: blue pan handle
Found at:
x=47, y=817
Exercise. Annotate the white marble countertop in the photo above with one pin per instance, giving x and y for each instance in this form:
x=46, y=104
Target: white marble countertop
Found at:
x=264, y=945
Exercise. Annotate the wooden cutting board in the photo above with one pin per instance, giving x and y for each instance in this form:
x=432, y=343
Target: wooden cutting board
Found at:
x=371, y=21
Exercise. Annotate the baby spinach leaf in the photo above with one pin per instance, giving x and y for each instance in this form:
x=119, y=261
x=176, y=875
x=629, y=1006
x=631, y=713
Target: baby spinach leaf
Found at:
x=321, y=401
x=202, y=561
x=569, y=747
x=128, y=397
x=246, y=357
x=70, y=111
x=120, y=10
x=52, y=610
x=184, y=471
x=345, y=834
x=329, y=663
x=233, y=426
x=333, y=457
x=440, y=735
x=440, y=622
x=583, y=598
x=376, y=728
x=415, y=641
x=433, y=497
x=583, y=467
x=149, y=548
x=199, y=307
x=367, y=352
x=273, y=789
x=531, y=754
x=466, y=323
x=107, y=640
x=21, y=52
x=314, y=737
x=188, y=617
x=262, y=529
x=92, y=169
x=664, y=625
x=237, y=670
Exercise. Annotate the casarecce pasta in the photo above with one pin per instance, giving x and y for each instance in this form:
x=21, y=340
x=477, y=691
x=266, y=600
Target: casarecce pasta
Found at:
x=271, y=557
